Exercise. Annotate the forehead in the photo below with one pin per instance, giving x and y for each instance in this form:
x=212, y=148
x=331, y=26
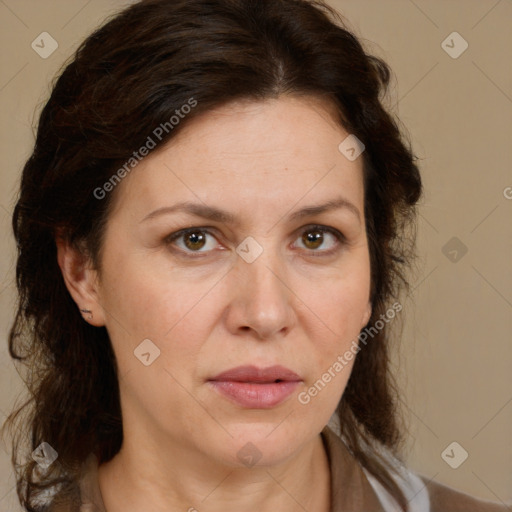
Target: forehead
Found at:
x=277, y=151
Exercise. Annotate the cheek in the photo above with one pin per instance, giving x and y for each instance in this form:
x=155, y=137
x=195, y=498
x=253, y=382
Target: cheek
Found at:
x=171, y=310
x=337, y=332
x=335, y=318
x=147, y=301
x=340, y=300
x=142, y=307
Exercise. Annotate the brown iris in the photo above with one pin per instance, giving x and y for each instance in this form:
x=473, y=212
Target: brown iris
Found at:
x=195, y=240
x=313, y=237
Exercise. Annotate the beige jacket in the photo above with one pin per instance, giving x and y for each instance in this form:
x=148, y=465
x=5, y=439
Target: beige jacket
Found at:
x=353, y=489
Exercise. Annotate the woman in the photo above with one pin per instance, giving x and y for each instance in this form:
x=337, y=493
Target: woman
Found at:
x=211, y=235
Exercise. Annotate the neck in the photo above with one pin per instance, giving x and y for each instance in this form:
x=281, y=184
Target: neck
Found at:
x=143, y=476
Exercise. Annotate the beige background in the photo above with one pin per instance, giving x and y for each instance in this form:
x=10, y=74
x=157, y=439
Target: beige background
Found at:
x=456, y=350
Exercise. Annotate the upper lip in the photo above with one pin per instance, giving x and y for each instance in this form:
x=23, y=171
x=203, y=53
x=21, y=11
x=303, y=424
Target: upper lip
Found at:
x=255, y=374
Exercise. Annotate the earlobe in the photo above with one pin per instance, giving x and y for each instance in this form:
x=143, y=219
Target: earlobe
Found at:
x=80, y=280
x=87, y=312
x=367, y=314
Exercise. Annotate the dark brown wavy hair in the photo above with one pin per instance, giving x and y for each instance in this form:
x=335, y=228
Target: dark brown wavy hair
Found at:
x=128, y=77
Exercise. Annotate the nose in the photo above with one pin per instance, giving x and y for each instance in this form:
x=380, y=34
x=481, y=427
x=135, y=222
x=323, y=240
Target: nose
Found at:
x=262, y=301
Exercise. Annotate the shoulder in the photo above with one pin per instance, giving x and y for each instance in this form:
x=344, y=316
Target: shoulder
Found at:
x=425, y=495
x=448, y=499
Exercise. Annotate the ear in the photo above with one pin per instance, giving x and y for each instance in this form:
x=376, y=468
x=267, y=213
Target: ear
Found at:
x=81, y=280
x=367, y=314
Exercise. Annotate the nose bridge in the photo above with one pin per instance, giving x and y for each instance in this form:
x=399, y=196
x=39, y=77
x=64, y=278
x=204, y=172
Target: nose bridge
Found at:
x=263, y=298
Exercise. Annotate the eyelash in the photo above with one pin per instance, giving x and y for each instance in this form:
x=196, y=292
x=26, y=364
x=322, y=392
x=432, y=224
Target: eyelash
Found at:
x=340, y=238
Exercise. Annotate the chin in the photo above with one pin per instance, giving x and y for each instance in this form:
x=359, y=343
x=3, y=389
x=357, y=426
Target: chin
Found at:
x=264, y=444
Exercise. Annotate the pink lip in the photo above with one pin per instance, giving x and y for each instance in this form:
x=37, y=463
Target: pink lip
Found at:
x=254, y=374
x=256, y=388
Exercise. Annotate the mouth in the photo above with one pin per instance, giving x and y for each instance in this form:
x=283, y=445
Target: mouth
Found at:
x=256, y=388
x=255, y=375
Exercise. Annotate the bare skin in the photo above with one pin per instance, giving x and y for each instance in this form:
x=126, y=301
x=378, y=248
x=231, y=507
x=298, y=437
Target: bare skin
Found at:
x=261, y=162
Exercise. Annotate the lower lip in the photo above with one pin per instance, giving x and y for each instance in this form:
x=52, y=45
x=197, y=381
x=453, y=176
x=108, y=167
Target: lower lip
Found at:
x=256, y=396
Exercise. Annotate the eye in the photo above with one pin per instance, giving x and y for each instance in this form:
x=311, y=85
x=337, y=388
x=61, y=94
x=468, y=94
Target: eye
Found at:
x=194, y=240
x=315, y=236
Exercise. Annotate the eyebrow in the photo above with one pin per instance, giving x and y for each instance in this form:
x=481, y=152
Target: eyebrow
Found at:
x=223, y=216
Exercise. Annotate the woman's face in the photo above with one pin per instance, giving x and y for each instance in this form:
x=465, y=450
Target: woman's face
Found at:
x=257, y=286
